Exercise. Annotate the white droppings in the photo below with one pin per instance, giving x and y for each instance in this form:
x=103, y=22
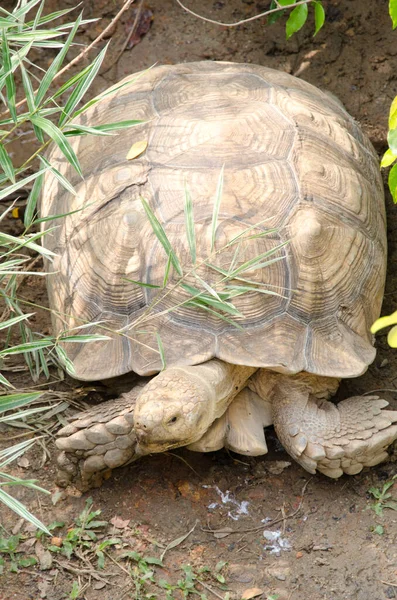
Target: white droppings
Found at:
x=277, y=543
x=241, y=508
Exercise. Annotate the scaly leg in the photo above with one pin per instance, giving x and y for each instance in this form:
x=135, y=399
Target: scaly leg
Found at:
x=333, y=439
x=97, y=441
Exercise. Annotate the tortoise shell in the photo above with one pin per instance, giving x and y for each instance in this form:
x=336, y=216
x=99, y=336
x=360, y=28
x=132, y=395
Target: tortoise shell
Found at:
x=296, y=169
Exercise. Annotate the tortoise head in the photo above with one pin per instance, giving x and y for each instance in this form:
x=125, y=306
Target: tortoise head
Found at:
x=174, y=409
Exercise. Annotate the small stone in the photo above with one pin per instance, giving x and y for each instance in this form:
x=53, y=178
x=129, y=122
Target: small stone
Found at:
x=57, y=541
x=384, y=363
x=299, y=554
x=280, y=576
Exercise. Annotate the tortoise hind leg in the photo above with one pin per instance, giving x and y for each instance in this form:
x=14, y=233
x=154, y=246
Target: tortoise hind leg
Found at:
x=333, y=439
x=96, y=441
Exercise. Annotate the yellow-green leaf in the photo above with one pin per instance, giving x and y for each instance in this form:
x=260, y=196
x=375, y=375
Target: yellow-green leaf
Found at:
x=319, y=17
x=387, y=159
x=392, y=181
x=393, y=114
x=137, y=149
x=393, y=12
x=383, y=322
x=296, y=20
x=392, y=337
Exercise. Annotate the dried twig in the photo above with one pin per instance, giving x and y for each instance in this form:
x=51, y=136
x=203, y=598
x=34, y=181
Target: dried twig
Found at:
x=259, y=16
x=127, y=39
x=209, y=588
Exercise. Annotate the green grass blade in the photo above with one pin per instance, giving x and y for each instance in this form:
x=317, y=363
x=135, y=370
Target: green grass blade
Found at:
x=213, y=312
x=84, y=339
x=60, y=216
x=256, y=262
x=32, y=201
x=21, y=510
x=167, y=272
x=14, y=320
x=5, y=382
x=9, y=79
x=22, y=414
x=61, y=178
x=105, y=129
x=11, y=453
x=12, y=401
x=82, y=87
x=189, y=224
x=60, y=139
x=162, y=237
x=28, y=347
x=161, y=351
x=27, y=85
x=65, y=361
x=202, y=298
x=6, y=164
x=33, y=25
x=17, y=186
x=56, y=63
x=142, y=284
x=217, y=203
x=21, y=12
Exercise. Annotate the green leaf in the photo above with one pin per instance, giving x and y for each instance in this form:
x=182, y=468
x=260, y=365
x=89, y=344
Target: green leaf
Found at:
x=27, y=562
x=189, y=224
x=105, y=129
x=393, y=12
x=379, y=530
x=82, y=87
x=392, y=337
x=142, y=284
x=59, y=138
x=215, y=211
x=9, y=79
x=319, y=17
x=296, y=20
x=6, y=164
x=393, y=182
x=392, y=140
x=393, y=114
x=28, y=347
x=161, y=350
x=56, y=63
x=162, y=237
x=61, y=178
x=16, y=186
x=65, y=361
x=30, y=100
x=383, y=322
x=84, y=339
x=32, y=201
x=11, y=322
x=387, y=159
x=21, y=510
x=273, y=17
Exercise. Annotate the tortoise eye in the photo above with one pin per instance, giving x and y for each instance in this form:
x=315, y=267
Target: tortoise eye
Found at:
x=173, y=420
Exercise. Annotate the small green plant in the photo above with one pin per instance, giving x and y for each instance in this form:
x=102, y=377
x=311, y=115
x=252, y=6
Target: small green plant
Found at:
x=187, y=585
x=9, y=548
x=383, y=498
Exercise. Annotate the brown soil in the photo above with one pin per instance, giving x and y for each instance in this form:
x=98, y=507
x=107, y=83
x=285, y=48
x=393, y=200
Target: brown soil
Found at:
x=331, y=550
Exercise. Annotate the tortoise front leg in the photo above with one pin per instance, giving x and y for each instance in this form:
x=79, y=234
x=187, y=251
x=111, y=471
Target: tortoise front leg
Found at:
x=98, y=440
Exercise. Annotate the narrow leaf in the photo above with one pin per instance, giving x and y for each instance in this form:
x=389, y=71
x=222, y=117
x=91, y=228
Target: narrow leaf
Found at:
x=177, y=541
x=393, y=12
x=393, y=182
x=11, y=322
x=9, y=79
x=59, y=138
x=61, y=178
x=215, y=211
x=82, y=87
x=319, y=17
x=189, y=224
x=6, y=164
x=162, y=237
x=142, y=284
x=32, y=201
x=161, y=350
x=392, y=140
x=21, y=510
x=383, y=322
x=56, y=64
x=20, y=184
x=296, y=20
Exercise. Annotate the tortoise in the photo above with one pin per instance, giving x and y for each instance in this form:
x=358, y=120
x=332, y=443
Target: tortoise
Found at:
x=274, y=163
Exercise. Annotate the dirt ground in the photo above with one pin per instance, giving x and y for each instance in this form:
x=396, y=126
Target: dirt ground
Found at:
x=327, y=545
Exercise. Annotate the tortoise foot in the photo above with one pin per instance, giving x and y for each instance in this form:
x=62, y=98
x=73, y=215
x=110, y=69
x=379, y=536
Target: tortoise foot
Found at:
x=97, y=441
